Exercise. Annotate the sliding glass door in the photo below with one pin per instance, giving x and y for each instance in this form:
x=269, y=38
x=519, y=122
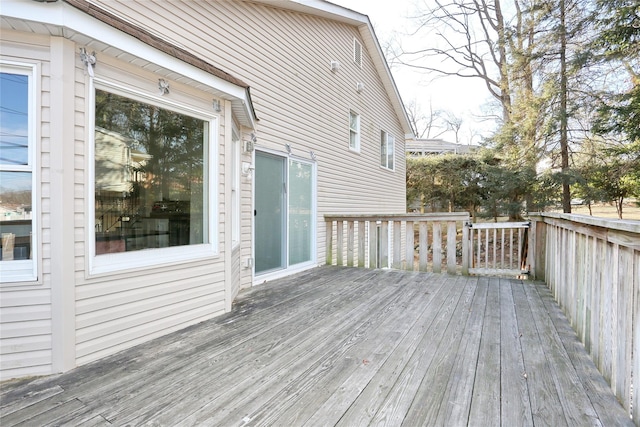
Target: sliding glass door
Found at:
x=284, y=212
x=270, y=212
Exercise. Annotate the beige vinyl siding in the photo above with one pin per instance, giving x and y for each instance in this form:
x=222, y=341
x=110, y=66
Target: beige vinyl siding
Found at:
x=114, y=314
x=246, y=220
x=285, y=57
x=26, y=309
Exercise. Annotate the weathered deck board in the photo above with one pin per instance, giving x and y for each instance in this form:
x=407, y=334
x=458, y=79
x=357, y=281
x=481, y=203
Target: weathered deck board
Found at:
x=485, y=399
x=576, y=406
x=397, y=368
x=348, y=347
x=399, y=399
x=546, y=407
x=515, y=405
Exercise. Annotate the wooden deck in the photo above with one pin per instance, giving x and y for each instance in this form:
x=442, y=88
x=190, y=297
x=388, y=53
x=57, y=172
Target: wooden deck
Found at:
x=346, y=347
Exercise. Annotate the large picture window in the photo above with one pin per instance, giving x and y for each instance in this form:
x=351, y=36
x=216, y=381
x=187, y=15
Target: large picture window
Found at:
x=17, y=202
x=151, y=176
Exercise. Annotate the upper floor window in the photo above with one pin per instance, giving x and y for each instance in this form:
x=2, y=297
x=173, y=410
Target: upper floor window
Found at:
x=387, y=149
x=151, y=179
x=354, y=131
x=17, y=173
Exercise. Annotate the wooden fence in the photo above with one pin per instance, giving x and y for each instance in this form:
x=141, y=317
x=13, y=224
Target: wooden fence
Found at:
x=592, y=266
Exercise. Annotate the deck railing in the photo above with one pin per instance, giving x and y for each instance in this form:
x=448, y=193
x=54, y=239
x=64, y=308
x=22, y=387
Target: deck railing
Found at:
x=592, y=266
x=407, y=242
x=428, y=242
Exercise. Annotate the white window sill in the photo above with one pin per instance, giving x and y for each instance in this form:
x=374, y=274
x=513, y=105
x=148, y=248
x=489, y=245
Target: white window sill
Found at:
x=160, y=257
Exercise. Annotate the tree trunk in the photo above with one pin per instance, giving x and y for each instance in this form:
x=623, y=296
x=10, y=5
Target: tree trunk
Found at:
x=564, y=143
x=505, y=89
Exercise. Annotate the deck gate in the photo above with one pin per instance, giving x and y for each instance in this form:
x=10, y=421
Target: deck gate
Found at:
x=498, y=248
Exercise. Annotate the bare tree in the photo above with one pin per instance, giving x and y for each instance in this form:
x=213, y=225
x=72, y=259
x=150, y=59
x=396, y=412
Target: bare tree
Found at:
x=425, y=124
x=453, y=124
x=470, y=42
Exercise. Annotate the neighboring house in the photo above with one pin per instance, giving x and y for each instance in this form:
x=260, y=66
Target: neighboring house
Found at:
x=426, y=147
x=169, y=154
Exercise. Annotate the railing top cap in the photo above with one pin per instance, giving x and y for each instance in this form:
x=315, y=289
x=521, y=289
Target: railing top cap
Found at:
x=436, y=216
x=615, y=224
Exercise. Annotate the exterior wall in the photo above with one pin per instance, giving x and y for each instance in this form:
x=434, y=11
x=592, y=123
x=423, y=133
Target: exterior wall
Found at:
x=246, y=223
x=118, y=310
x=71, y=316
x=26, y=322
x=285, y=58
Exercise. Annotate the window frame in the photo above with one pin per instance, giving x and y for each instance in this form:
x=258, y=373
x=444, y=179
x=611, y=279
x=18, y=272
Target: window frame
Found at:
x=356, y=131
x=153, y=257
x=387, y=139
x=26, y=271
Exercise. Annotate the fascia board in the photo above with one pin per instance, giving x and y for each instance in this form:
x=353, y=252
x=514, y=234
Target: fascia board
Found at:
x=319, y=8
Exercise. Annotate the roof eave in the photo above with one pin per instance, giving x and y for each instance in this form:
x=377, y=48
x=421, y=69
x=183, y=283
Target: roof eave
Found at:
x=67, y=15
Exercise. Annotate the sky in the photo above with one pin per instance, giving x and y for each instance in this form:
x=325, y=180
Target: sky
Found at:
x=462, y=97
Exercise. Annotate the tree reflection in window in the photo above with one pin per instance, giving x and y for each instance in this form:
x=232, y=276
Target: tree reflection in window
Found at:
x=150, y=176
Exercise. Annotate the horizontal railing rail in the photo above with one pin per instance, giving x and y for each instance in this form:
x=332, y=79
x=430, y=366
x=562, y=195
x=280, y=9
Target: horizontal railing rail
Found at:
x=592, y=266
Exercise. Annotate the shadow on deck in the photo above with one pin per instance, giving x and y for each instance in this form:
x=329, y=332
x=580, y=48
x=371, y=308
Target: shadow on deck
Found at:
x=343, y=346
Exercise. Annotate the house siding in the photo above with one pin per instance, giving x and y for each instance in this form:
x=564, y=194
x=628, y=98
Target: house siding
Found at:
x=75, y=315
x=285, y=56
x=72, y=317
x=26, y=322
x=246, y=224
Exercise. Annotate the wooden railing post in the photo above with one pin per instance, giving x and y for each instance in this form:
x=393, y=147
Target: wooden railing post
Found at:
x=350, y=243
x=339, y=242
x=452, y=234
x=329, y=242
x=537, y=242
x=410, y=245
x=373, y=244
x=437, y=247
x=466, y=247
x=361, y=243
x=397, y=245
x=423, y=245
x=384, y=244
